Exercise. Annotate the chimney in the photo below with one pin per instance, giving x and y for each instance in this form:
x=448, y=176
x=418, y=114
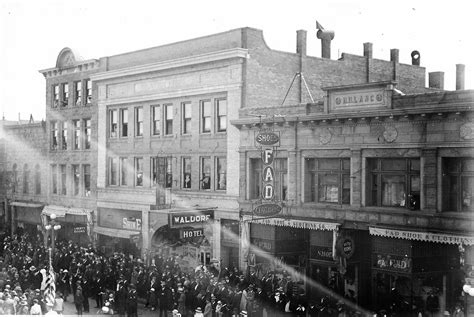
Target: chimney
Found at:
x=326, y=37
x=368, y=50
x=460, y=69
x=415, y=58
x=394, y=55
x=436, y=80
x=301, y=42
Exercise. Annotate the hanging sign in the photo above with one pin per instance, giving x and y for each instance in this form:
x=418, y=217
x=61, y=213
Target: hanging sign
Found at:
x=268, y=138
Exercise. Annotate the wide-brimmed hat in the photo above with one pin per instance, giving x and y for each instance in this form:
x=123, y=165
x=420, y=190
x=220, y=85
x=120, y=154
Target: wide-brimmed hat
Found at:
x=32, y=268
x=198, y=310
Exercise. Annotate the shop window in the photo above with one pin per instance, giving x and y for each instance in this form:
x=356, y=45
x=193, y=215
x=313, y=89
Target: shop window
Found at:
x=186, y=172
x=37, y=180
x=62, y=169
x=139, y=171
x=124, y=123
x=65, y=94
x=87, y=179
x=78, y=93
x=169, y=119
x=54, y=179
x=327, y=180
x=186, y=113
x=394, y=182
x=169, y=173
x=458, y=184
x=26, y=179
x=54, y=135
x=156, y=119
x=77, y=134
x=205, y=173
x=113, y=117
x=139, y=121
x=113, y=171
x=221, y=173
x=64, y=136
x=206, y=116
x=76, y=177
x=123, y=171
x=55, y=90
x=221, y=105
x=87, y=134
x=88, y=91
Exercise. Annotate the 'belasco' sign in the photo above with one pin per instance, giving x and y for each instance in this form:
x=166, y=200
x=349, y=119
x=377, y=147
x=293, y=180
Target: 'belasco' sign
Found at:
x=180, y=219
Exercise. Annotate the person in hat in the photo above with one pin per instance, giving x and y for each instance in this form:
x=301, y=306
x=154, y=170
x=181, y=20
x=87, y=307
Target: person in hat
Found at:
x=132, y=302
x=79, y=299
x=58, y=303
x=181, y=301
x=208, y=308
x=198, y=312
x=23, y=307
x=50, y=311
x=36, y=308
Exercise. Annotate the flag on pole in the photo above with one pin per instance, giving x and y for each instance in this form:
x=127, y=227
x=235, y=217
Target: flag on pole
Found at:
x=50, y=283
x=319, y=26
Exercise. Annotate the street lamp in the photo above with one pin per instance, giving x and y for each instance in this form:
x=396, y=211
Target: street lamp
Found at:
x=53, y=226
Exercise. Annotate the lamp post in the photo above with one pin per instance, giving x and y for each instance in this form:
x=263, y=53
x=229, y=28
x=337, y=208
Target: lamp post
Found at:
x=52, y=226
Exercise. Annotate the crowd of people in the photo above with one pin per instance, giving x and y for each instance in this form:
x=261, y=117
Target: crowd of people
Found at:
x=118, y=282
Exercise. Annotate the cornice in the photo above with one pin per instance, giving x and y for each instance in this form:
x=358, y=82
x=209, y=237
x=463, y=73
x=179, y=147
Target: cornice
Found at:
x=78, y=67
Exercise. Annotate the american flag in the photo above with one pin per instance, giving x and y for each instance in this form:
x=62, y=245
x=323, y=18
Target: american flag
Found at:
x=50, y=286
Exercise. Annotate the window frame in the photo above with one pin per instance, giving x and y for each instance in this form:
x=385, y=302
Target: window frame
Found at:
x=186, y=162
x=169, y=116
x=138, y=169
x=54, y=135
x=123, y=171
x=186, y=117
x=54, y=179
x=455, y=193
x=64, y=129
x=26, y=178
x=219, y=172
x=156, y=120
x=64, y=94
x=88, y=91
x=205, y=173
x=78, y=93
x=56, y=95
x=63, y=177
x=86, y=177
x=113, y=171
x=76, y=179
x=205, y=118
x=37, y=180
x=113, y=123
x=139, y=126
x=77, y=134
x=221, y=117
x=87, y=133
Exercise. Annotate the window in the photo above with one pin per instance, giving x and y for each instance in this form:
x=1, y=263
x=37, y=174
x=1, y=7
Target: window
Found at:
x=37, y=180
x=221, y=115
x=186, y=172
x=139, y=171
x=169, y=173
x=88, y=91
x=169, y=119
x=255, y=178
x=205, y=116
x=280, y=181
x=26, y=179
x=328, y=180
x=123, y=171
x=205, y=173
x=124, y=122
x=154, y=170
x=64, y=136
x=87, y=134
x=458, y=184
x=63, y=179
x=54, y=179
x=54, y=135
x=186, y=112
x=394, y=182
x=78, y=93
x=55, y=96
x=15, y=178
x=77, y=134
x=156, y=119
x=76, y=177
x=87, y=179
x=113, y=123
x=65, y=99
x=113, y=168
x=221, y=173
x=139, y=121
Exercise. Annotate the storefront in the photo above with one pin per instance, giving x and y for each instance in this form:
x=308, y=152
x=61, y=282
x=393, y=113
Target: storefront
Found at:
x=229, y=243
x=27, y=217
x=416, y=271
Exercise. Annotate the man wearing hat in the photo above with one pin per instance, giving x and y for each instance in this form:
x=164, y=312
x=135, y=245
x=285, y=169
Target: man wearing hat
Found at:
x=78, y=299
x=132, y=302
x=198, y=312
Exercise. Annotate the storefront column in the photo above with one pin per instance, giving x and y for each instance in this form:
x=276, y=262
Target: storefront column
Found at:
x=145, y=234
x=244, y=244
x=216, y=237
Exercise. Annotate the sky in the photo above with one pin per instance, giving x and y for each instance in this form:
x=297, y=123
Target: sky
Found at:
x=33, y=32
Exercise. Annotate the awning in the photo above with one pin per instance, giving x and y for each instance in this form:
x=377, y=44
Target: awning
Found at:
x=61, y=211
x=302, y=224
x=422, y=236
x=118, y=233
x=29, y=205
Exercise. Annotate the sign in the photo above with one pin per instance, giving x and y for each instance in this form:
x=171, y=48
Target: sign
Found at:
x=190, y=218
x=191, y=233
x=422, y=236
x=393, y=263
x=79, y=230
x=268, y=138
x=302, y=224
x=321, y=253
x=131, y=223
x=345, y=247
x=265, y=245
x=356, y=99
x=266, y=210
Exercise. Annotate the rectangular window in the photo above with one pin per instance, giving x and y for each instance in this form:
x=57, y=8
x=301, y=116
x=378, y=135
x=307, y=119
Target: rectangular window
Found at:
x=78, y=93
x=205, y=173
x=37, y=180
x=123, y=171
x=156, y=119
x=281, y=181
x=26, y=179
x=113, y=171
x=88, y=91
x=55, y=96
x=205, y=116
x=87, y=179
x=77, y=134
x=153, y=170
x=186, y=172
x=169, y=173
x=139, y=121
x=113, y=117
x=255, y=178
x=64, y=136
x=124, y=122
x=221, y=173
x=54, y=179
x=76, y=177
x=87, y=134
x=458, y=184
x=63, y=179
x=169, y=119
x=394, y=182
x=54, y=135
x=65, y=91
x=328, y=180
x=221, y=115
x=138, y=171
x=186, y=112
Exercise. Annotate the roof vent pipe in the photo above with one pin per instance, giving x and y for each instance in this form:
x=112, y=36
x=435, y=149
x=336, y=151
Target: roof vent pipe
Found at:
x=326, y=37
x=368, y=50
x=415, y=58
x=460, y=70
x=436, y=80
x=394, y=55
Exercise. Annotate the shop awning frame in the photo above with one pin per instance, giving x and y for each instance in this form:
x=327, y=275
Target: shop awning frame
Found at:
x=61, y=211
x=116, y=233
x=28, y=205
x=422, y=236
x=295, y=223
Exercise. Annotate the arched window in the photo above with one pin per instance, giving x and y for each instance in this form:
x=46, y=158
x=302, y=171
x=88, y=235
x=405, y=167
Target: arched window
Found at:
x=26, y=178
x=37, y=180
x=14, y=179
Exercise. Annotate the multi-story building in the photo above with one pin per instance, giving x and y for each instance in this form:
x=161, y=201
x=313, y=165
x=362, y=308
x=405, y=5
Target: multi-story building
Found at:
x=364, y=186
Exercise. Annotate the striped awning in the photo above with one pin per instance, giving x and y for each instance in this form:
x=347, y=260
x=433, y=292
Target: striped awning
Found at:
x=422, y=236
x=61, y=211
x=118, y=233
x=295, y=223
